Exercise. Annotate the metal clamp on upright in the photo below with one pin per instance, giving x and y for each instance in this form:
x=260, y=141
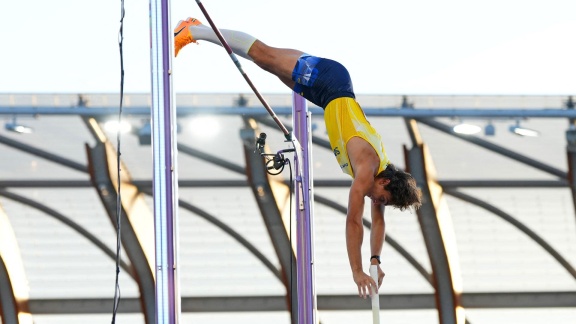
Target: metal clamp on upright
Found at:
x=273, y=161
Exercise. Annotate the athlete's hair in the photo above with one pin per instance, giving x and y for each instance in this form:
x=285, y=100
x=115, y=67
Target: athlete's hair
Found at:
x=402, y=186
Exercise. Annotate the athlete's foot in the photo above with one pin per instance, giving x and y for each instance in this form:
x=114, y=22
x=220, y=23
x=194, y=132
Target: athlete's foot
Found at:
x=182, y=34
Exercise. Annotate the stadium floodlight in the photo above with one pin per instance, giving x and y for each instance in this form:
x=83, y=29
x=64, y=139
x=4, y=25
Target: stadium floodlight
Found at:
x=13, y=126
x=522, y=131
x=466, y=129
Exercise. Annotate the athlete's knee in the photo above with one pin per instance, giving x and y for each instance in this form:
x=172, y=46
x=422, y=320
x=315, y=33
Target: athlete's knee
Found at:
x=260, y=52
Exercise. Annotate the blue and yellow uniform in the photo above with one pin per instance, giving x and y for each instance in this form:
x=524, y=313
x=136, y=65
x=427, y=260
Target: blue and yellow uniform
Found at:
x=327, y=84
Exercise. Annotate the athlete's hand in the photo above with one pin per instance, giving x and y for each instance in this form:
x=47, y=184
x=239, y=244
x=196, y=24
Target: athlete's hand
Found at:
x=381, y=275
x=364, y=282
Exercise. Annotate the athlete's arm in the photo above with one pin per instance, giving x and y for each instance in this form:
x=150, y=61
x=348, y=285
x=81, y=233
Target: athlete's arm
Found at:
x=355, y=234
x=364, y=162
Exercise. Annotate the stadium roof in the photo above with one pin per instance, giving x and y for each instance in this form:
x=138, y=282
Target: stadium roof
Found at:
x=508, y=197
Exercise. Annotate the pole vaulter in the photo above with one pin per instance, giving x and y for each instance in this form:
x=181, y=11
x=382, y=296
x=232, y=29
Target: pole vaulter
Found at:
x=357, y=146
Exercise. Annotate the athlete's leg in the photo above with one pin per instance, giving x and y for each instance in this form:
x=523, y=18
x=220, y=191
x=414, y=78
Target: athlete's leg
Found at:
x=278, y=61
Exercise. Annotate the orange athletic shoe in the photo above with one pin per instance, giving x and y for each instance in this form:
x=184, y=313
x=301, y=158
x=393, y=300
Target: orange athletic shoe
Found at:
x=182, y=34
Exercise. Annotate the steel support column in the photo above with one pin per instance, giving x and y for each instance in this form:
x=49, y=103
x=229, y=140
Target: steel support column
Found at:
x=137, y=221
x=13, y=282
x=571, y=151
x=436, y=225
x=571, y=155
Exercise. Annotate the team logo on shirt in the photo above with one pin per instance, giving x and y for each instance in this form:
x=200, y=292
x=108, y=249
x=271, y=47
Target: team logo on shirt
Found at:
x=336, y=151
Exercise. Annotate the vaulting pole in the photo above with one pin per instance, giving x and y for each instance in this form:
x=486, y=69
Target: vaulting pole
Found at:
x=284, y=130
x=163, y=118
x=304, y=213
x=375, y=297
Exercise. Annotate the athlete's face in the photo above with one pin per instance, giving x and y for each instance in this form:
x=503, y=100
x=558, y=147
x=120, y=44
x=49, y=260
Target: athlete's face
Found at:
x=379, y=195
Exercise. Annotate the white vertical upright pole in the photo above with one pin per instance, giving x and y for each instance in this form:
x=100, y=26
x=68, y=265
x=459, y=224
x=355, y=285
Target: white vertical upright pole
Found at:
x=165, y=176
x=304, y=215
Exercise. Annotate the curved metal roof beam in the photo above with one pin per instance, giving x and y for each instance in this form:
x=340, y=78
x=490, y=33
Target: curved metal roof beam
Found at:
x=182, y=148
x=228, y=230
x=14, y=294
x=43, y=154
x=514, y=222
x=70, y=223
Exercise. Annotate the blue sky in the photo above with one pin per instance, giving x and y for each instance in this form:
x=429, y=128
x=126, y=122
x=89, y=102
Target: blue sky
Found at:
x=390, y=47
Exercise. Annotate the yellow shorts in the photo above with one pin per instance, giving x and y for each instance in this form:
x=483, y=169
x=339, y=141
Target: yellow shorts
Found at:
x=345, y=119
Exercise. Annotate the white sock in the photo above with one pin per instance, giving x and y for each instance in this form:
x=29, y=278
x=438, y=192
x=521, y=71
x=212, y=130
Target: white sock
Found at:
x=240, y=42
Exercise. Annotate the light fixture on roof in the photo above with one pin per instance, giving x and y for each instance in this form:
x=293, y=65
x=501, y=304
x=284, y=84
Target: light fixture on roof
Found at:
x=114, y=126
x=489, y=129
x=522, y=131
x=13, y=126
x=466, y=129
x=145, y=134
x=204, y=127
x=241, y=101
